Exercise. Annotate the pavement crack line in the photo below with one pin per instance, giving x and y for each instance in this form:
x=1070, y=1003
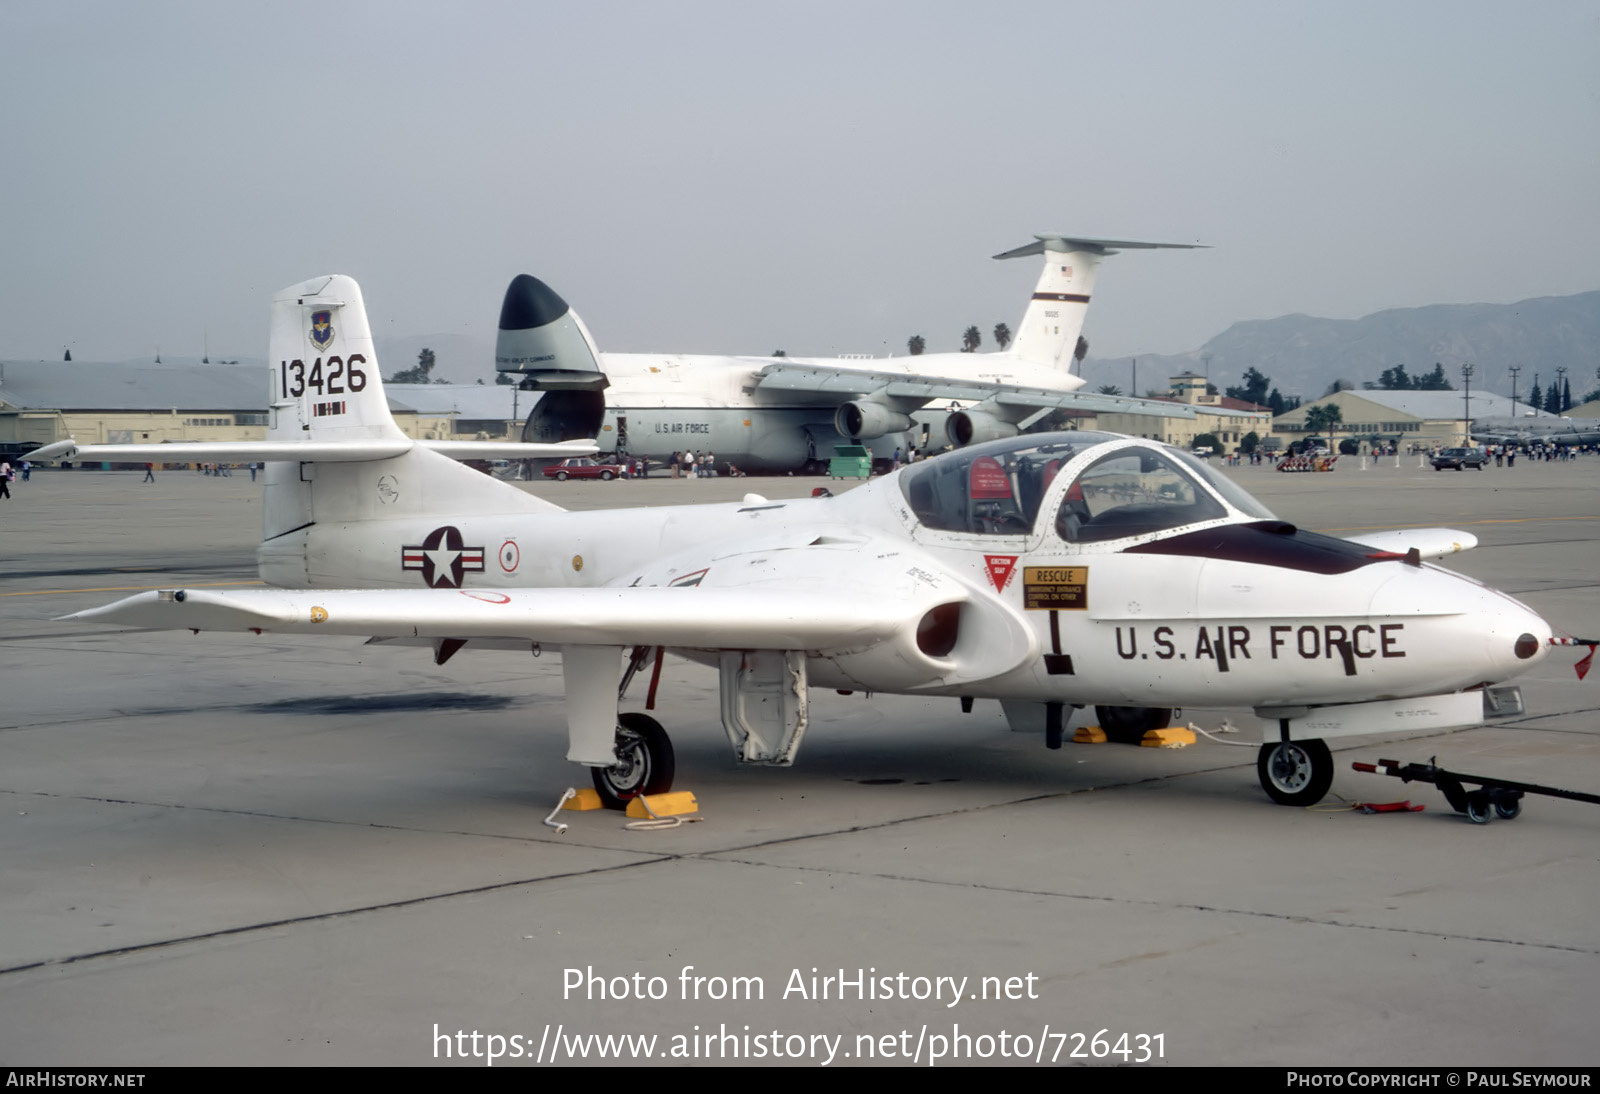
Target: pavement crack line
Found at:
x=1166, y=905
x=263, y=815
x=318, y=917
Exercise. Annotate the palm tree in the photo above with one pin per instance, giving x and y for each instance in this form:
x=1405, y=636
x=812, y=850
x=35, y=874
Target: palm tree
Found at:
x=971, y=340
x=916, y=344
x=1323, y=418
x=1002, y=336
x=1110, y=389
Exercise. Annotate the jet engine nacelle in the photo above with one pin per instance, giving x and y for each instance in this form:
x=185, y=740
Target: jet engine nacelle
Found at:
x=866, y=421
x=964, y=427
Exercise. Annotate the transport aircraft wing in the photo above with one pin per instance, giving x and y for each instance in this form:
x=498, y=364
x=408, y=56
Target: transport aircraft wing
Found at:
x=842, y=380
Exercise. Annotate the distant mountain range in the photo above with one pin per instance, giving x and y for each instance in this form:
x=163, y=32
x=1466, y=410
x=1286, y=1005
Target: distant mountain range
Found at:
x=1302, y=354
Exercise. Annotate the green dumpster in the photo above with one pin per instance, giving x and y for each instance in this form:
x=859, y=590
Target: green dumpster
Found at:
x=850, y=461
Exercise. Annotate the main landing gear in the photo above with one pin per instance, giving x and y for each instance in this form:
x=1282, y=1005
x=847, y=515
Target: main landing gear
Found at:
x=645, y=763
x=1295, y=772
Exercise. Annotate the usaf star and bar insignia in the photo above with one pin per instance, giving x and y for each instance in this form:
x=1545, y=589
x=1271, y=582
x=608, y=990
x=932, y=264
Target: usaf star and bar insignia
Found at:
x=442, y=558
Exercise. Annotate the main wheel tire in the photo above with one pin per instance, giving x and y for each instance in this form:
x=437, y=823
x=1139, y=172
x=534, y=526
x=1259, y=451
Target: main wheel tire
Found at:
x=1128, y=725
x=1295, y=772
x=1508, y=810
x=1478, y=810
x=645, y=763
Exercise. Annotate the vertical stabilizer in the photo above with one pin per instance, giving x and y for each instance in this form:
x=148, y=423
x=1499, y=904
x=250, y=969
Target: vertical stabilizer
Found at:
x=323, y=386
x=546, y=347
x=325, y=381
x=1050, y=327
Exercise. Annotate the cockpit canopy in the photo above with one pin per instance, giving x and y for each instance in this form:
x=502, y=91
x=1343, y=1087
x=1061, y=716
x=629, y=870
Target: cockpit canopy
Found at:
x=997, y=489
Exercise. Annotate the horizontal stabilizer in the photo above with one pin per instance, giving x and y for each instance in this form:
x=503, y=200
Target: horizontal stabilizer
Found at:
x=1429, y=542
x=734, y=618
x=353, y=451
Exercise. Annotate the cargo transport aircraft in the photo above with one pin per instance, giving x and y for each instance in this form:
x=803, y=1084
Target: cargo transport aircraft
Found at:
x=1050, y=572
x=786, y=414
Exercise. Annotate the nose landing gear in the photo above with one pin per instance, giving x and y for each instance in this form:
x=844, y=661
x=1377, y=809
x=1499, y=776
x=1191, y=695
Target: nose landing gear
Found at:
x=1295, y=772
x=645, y=762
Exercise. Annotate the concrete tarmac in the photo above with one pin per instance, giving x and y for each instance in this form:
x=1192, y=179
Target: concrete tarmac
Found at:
x=224, y=849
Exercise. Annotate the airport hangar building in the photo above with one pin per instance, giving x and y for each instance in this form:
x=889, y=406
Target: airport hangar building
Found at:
x=1227, y=419
x=42, y=402
x=1423, y=418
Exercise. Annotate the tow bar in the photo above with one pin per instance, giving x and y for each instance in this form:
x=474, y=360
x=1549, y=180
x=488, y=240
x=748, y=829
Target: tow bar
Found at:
x=1498, y=797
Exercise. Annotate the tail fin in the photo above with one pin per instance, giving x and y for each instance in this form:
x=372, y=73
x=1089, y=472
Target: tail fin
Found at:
x=327, y=386
x=542, y=338
x=357, y=465
x=545, y=345
x=1048, y=333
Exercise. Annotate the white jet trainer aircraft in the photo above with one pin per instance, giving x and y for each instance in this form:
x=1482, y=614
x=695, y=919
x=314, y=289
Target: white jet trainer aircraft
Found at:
x=1045, y=571
x=777, y=414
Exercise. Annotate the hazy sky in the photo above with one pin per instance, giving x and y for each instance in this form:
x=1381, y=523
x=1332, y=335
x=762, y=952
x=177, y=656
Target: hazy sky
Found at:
x=822, y=177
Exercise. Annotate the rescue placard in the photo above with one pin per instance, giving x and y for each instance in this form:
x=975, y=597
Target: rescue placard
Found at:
x=1055, y=588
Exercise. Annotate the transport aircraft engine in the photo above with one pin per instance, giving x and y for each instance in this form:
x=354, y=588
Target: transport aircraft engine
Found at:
x=867, y=421
x=965, y=427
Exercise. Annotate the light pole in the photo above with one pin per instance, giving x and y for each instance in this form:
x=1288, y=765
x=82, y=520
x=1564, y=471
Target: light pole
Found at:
x=1514, y=370
x=1466, y=377
x=1561, y=382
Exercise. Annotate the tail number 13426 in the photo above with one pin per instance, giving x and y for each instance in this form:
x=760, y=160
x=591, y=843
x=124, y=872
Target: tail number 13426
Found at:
x=334, y=377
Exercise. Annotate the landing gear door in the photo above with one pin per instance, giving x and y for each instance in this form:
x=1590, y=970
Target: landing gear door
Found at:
x=764, y=704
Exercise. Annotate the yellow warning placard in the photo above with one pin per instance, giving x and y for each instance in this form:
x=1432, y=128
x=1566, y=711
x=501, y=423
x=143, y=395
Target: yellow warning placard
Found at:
x=1055, y=588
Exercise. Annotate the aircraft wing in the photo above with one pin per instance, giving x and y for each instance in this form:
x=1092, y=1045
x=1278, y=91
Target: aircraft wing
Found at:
x=1429, y=542
x=700, y=618
x=354, y=451
x=845, y=382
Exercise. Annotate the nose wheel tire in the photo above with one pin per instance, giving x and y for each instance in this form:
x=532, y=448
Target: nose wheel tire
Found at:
x=645, y=763
x=1295, y=772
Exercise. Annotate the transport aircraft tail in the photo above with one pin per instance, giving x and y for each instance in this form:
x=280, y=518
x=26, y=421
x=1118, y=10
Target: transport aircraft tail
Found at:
x=544, y=343
x=1049, y=331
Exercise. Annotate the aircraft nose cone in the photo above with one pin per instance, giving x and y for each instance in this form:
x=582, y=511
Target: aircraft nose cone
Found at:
x=530, y=303
x=1471, y=632
x=1514, y=637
